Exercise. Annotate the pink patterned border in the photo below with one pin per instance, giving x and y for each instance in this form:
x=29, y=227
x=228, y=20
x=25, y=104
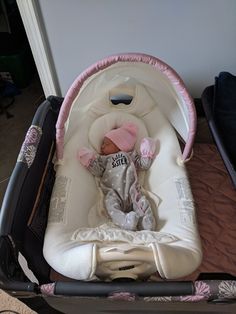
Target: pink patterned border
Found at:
x=128, y=57
x=203, y=290
x=48, y=288
x=30, y=145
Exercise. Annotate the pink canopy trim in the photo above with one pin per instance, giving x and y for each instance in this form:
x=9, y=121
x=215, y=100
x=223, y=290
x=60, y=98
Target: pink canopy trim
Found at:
x=128, y=57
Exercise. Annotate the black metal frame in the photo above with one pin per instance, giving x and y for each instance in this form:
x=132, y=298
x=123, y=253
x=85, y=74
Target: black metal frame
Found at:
x=19, y=199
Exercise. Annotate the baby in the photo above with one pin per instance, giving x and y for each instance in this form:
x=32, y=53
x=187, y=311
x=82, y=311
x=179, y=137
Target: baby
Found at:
x=116, y=166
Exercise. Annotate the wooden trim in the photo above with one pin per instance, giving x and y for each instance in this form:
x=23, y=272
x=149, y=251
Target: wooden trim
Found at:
x=34, y=29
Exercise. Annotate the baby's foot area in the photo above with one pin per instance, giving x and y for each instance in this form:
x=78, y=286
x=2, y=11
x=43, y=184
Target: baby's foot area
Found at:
x=147, y=222
x=127, y=221
x=141, y=206
x=131, y=221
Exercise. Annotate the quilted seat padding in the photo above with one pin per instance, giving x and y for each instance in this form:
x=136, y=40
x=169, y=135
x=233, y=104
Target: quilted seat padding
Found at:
x=215, y=199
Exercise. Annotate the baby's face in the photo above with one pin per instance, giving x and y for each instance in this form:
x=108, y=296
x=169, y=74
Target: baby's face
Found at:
x=108, y=147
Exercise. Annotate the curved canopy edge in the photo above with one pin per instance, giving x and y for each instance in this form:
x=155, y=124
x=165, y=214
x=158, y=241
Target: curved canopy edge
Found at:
x=157, y=64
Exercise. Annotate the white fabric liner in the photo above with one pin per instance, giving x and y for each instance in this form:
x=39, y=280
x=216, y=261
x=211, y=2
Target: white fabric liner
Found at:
x=156, y=84
x=109, y=232
x=76, y=223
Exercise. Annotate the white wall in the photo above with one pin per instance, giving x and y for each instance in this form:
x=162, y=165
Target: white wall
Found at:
x=195, y=37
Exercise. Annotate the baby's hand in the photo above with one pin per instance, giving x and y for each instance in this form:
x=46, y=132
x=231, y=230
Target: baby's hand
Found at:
x=85, y=156
x=148, y=147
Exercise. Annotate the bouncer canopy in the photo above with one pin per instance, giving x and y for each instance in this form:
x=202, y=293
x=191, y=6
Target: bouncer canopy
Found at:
x=161, y=82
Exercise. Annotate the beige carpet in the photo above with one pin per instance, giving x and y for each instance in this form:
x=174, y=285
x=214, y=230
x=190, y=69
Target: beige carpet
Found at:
x=11, y=305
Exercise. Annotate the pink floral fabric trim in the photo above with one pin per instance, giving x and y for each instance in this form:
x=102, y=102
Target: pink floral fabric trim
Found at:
x=204, y=290
x=48, y=289
x=126, y=296
x=30, y=145
x=227, y=289
x=129, y=57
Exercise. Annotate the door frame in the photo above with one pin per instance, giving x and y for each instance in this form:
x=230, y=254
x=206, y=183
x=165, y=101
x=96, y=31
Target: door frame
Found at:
x=35, y=32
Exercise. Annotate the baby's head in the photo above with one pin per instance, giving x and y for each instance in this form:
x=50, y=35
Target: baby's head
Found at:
x=120, y=139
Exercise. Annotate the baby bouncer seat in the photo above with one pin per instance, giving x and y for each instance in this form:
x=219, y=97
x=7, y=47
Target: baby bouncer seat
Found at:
x=80, y=241
x=53, y=211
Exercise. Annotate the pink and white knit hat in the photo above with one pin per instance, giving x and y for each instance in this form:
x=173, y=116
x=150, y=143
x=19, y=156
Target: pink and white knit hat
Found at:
x=124, y=137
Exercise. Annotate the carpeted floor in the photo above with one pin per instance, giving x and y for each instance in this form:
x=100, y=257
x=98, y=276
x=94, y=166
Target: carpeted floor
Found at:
x=9, y=305
x=13, y=130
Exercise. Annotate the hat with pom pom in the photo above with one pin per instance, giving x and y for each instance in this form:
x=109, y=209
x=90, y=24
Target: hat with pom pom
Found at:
x=124, y=137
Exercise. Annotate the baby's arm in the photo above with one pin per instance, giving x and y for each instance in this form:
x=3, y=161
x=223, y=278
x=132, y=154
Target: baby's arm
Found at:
x=91, y=161
x=147, y=152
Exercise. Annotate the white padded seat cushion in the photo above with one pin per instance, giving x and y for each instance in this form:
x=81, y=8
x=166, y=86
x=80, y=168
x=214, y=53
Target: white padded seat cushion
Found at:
x=75, y=193
x=140, y=105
